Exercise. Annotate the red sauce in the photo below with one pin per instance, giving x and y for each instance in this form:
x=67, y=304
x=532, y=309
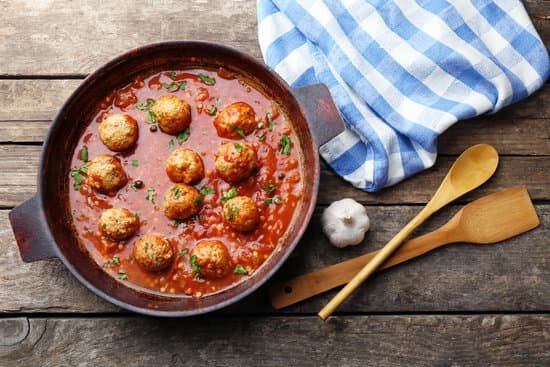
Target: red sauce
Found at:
x=248, y=250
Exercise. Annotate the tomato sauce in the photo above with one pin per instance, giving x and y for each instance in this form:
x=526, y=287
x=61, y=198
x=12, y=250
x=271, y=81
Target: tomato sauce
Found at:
x=146, y=162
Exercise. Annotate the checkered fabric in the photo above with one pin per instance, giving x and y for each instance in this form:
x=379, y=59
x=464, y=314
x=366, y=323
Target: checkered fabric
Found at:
x=402, y=71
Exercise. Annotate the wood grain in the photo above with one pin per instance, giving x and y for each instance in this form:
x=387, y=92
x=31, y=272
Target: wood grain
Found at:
x=455, y=278
x=18, y=181
x=488, y=340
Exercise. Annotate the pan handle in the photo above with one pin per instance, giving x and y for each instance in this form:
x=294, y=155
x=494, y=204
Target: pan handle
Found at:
x=322, y=115
x=31, y=231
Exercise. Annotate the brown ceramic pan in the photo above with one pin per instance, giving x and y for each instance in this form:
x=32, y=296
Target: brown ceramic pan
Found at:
x=42, y=224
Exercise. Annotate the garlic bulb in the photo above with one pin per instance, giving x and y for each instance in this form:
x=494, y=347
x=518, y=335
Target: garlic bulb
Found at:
x=345, y=223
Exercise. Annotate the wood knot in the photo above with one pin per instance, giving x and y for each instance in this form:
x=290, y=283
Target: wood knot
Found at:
x=13, y=331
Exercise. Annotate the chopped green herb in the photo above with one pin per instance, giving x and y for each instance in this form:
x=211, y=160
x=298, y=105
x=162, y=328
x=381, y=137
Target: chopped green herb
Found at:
x=206, y=190
x=274, y=200
x=151, y=195
x=176, y=191
x=183, y=136
x=122, y=275
x=260, y=125
x=115, y=261
x=194, y=266
x=84, y=154
x=269, y=188
x=104, y=225
x=277, y=200
x=206, y=79
x=76, y=173
x=238, y=130
x=145, y=106
x=238, y=147
x=133, y=186
x=239, y=269
x=268, y=201
x=135, y=163
x=231, y=193
x=151, y=117
x=261, y=137
x=285, y=145
x=270, y=121
x=182, y=253
x=177, y=222
x=173, y=75
x=171, y=143
x=198, y=201
x=212, y=110
x=218, y=102
x=172, y=87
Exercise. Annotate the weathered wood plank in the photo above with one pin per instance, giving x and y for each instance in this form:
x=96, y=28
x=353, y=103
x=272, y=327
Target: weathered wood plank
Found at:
x=44, y=37
x=514, y=275
x=41, y=99
x=18, y=181
x=60, y=38
x=503, y=340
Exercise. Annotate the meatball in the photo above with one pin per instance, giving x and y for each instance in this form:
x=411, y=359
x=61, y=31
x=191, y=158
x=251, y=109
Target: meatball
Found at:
x=153, y=252
x=236, y=161
x=182, y=201
x=118, y=132
x=241, y=213
x=212, y=258
x=105, y=174
x=118, y=223
x=172, y=114
x=236, y=120
x=184, y=165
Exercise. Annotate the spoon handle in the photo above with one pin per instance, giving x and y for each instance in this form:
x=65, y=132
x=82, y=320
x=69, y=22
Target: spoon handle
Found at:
x=308, y=285
x=375, y=263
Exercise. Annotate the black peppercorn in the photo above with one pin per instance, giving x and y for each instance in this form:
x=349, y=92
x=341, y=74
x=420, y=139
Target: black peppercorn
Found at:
x=138, y=184
x=280, y=176
x=153, y=128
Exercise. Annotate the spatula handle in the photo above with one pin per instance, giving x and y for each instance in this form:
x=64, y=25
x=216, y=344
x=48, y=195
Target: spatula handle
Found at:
x=308, y=285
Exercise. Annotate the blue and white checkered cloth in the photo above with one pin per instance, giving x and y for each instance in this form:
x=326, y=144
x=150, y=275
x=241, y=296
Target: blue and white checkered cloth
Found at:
x=402, y=71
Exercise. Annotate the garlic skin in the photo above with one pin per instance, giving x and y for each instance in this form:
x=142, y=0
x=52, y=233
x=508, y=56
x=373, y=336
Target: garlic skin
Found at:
x=345, y=223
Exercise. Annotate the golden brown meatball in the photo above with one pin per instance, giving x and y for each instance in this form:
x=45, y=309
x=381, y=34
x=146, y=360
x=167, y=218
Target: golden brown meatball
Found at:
x=106, y=175
x=212, y=258
x=185, y=165
x=236, y=161
x=241, y=213
x=118, y=223
x=182, y=201
x=172, y=114
x=236, y=120
x=118, y=132
x=153, y=252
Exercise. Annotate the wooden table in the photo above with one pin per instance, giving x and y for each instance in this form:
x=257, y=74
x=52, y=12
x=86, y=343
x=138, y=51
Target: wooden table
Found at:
x=459, y=306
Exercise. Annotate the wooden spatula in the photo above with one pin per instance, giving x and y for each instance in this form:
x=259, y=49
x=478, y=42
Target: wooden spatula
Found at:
x=488, y=220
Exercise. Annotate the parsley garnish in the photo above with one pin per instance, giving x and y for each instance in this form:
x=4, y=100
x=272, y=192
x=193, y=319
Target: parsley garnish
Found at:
x=260, y=125
x=270, y=121
x=151, y=195
x=261, y=137
x=115, y=261
x=84, y=154
x=133, y=186
x=182, y=253
x=135, y=163
x=145, y=106
x=226, y=195
x=194, y=266
x=205, y=190
x=284, y=144
x=171, y=143
x=176, y=191
x=183, y=136
x=177, y=222
x=151, y=117
x=269, y=188
x=239, y=269
x=206, y=79
x=233, y=211
x=238, y=130
x=173, y=75
x=172, y=87
x=76, y=173
x=122, y=275
x=198, y=201
x=275, y=200
x=238, y=147
x=212, y=110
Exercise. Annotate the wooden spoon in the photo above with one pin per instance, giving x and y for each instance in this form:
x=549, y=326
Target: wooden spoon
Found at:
x=471, y=169
x=488, y=220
